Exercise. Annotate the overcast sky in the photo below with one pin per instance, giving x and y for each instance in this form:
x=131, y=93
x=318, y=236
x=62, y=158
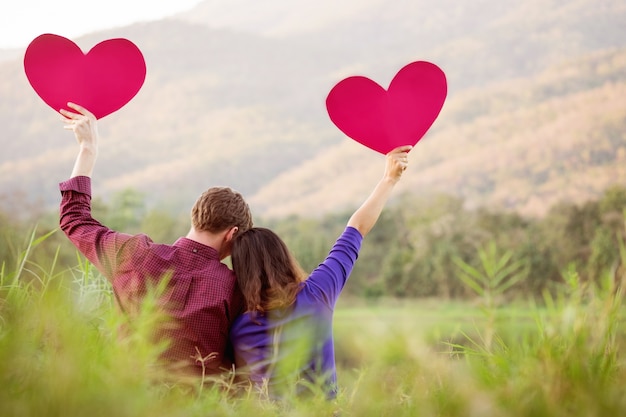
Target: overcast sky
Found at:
x=21, y=21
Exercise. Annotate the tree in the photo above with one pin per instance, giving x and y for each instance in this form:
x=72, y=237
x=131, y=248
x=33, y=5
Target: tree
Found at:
x=126, y=211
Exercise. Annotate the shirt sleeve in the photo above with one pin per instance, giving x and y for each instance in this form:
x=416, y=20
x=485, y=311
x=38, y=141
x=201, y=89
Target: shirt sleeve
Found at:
x=106, y=249
x=329, y=278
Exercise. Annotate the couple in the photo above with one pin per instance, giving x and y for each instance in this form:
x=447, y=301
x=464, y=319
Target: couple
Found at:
x=265, y=318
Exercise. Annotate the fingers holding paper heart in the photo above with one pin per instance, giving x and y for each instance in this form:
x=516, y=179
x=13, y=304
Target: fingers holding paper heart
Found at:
x=82, y=122
x=397, y=162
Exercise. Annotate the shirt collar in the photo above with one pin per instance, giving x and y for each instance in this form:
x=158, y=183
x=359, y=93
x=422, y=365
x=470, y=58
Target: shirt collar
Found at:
x=198, y=248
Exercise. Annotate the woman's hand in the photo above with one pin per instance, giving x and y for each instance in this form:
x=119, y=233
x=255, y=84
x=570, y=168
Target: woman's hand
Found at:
x=397, y=162
x=366, y=216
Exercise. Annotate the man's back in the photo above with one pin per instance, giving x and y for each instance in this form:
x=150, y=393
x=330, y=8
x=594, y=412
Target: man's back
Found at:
x=201, y=296
x=201, y=292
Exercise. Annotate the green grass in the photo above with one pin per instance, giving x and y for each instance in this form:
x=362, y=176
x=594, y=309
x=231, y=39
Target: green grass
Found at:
x=62, y=353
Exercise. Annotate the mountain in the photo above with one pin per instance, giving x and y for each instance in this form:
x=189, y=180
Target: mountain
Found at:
x=522, y=144
x=235, y=96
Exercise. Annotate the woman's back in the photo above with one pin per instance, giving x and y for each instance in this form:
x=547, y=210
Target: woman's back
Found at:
x=288, y=349
x=285, y=341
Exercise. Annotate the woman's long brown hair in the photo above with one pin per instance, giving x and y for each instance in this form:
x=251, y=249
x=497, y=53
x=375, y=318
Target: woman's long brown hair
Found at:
x=267, y=273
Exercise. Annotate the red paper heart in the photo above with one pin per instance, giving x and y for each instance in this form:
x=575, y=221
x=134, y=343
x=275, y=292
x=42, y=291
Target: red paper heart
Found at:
x=385, y=119
x=102, y=81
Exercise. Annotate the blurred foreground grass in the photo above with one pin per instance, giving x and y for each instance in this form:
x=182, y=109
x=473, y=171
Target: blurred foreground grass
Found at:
x=62, y=354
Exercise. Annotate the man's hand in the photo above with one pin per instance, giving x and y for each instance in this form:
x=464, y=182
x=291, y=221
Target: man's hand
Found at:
x=85, y=127
x=83, y=124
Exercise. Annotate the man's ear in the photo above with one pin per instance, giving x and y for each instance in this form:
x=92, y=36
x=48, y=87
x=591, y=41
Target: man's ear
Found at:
x=231, y=233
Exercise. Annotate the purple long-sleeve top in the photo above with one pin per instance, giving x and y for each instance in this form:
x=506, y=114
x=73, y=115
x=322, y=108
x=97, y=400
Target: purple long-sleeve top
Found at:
x=288, y=349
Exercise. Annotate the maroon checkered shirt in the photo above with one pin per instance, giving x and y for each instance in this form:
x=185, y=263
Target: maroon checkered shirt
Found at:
x=202, y=295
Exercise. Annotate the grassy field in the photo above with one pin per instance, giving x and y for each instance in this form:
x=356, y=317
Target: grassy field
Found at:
x=61, y=354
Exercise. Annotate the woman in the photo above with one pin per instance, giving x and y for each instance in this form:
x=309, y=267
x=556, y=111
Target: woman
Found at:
x=284, y=341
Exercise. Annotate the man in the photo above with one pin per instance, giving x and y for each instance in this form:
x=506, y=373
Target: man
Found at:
x=201, y=295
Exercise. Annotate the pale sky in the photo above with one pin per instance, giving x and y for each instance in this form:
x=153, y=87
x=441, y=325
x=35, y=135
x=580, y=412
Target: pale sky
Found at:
x=21, y=21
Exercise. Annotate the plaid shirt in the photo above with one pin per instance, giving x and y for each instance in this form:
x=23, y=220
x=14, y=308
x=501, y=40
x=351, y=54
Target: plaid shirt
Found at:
x=202, y=296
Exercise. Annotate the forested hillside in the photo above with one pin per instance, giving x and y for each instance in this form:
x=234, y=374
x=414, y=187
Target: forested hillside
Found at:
x=235, y=95
x=523, y=144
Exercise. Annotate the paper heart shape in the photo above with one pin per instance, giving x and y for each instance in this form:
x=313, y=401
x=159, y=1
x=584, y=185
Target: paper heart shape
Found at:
x=102, y=81
x=385, y=119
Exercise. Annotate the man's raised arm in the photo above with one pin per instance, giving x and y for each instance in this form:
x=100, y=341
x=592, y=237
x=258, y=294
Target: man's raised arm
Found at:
x=85, y=127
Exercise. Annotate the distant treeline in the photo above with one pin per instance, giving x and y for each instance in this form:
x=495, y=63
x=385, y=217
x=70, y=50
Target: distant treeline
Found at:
x=415, y=248
x=413, y=251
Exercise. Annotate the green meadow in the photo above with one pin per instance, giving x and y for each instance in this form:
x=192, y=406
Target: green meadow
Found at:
x=62, y=352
